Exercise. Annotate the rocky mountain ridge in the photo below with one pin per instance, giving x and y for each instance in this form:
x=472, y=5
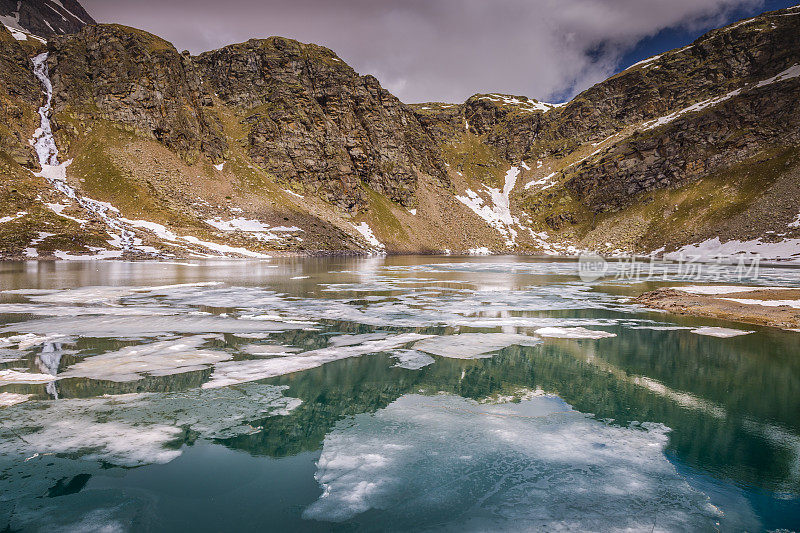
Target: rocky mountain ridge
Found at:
x=42, y=19
x=275, y=146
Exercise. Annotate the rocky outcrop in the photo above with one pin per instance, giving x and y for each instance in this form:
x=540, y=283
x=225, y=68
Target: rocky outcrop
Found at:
x=442, y=121
x=20, y=95
x=45, y=18
x=311, y=119
x=509, y=124
x=691, y=147
x=138, y=80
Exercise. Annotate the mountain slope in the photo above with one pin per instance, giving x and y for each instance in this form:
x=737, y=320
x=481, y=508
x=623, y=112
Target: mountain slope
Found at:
x=315, y=123
x=634, y=161
x=275, y=146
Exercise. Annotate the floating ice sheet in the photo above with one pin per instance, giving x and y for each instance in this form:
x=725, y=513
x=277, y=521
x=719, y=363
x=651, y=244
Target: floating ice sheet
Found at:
x=722, y=333
x=233, y=372
x=473, y=345
x=136, y=429
x=155, y=359
x=573, y=333
x=127, y=326
x=29, y=340
x=99, y=295
x=352, y=340
x=76, y=310
x=533, y=465
x=8, y=377
x=9, y=356
x=8, y=399
x=661, y=328
x=412, y=359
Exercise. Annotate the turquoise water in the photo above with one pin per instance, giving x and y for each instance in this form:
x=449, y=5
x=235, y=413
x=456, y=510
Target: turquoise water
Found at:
x=399, y=393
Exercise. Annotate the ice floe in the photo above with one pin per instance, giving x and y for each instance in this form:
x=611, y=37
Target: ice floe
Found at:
x=8, y=399
x=8, y=377
x=502, y=468
x=233, y=372
x=411, y=359
x=29, y=340
x=115, y=442
x=473, y=345
x=352, y=340
x=722, y=333
x=137, y=429
x=155, y=359
x=148, y=326
x=573, y=333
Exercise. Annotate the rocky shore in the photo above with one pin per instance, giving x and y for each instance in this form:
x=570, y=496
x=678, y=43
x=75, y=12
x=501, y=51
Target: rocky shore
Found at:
x=769, y=306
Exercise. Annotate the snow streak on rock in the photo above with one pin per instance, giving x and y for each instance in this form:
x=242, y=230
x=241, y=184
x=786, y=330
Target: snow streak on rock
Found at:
x=497, y=213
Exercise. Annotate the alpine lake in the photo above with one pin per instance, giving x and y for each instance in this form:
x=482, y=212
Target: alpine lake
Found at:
x=385, y=394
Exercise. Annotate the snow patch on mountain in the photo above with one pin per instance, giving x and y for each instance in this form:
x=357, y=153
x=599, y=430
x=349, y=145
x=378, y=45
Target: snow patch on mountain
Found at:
x=784, y=250
x=9, y=218
x=70, y=13
x=497, y=211
x=366, y=232
x=645, y=62
x=542, y=183
x=527, y=104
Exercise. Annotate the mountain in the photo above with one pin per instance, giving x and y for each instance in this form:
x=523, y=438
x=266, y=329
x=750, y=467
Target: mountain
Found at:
x=275, y=146
x=40, y=19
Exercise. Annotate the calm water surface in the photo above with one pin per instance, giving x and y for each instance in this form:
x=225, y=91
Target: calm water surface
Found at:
x=400, y=393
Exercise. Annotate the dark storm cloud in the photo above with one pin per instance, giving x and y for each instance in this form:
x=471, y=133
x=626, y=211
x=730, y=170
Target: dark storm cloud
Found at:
x=436, y=49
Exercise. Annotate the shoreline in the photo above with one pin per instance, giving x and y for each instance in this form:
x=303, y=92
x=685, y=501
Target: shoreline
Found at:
x=760, y=307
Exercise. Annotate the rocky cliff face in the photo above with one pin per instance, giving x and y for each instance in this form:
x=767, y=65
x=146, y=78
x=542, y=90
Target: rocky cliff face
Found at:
x=691, y=147
x=510, y=124
x=44, y=18
x=19, y=96
x=136, y=79
x=312, y=120
x=683, y=115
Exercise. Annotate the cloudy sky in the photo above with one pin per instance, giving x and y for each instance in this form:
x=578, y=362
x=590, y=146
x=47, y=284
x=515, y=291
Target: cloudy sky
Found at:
x=447, y=50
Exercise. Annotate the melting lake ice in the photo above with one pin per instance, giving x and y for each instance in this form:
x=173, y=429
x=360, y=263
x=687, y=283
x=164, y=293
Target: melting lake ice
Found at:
x=399, y=393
